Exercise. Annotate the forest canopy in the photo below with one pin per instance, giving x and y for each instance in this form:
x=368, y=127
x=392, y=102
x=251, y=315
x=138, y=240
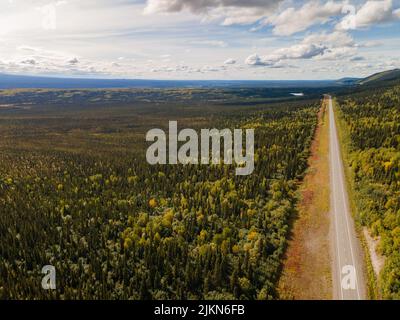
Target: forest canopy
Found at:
x=77, y=193
x=373, y=124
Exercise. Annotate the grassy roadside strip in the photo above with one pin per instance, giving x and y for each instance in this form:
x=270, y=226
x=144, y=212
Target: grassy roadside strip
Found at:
x=344, y=136
x=306, y=272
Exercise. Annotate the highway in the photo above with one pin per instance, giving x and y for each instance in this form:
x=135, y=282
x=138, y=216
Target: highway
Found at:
x=347, y=258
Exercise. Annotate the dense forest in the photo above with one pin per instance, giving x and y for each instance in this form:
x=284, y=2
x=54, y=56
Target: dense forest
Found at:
x=77, y=193
x=373, y=123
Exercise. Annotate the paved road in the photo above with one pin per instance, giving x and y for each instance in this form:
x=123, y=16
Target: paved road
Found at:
x=348, y=278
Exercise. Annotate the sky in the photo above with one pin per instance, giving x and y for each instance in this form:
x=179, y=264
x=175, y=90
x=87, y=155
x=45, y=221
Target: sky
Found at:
x=199, y=39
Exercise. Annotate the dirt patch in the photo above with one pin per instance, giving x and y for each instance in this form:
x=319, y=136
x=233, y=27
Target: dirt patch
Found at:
x=377, y=260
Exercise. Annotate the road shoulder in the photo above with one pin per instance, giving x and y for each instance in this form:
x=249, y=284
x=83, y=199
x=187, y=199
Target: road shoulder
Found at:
x=306, y=272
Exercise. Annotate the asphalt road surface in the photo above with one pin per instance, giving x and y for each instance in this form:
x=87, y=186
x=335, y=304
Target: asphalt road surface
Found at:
x=347, y=272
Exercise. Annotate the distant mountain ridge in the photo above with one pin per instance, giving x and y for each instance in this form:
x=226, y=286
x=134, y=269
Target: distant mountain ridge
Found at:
x=348, y=81
x=385, y=76
x=8, y=81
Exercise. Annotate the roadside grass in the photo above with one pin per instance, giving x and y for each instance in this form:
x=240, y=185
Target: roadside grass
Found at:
x=306, y=272
x=345, y=145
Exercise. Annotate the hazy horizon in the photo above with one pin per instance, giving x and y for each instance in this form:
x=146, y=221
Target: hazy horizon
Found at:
x=106, y=78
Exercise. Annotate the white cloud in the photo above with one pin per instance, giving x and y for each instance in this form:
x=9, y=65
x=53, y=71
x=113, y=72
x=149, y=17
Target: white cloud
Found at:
x=370, y=44
x=230, y=61
x=73, y=61
x=237, y=16
x=212, y=68
x=334, y=39
x=34, y=60
x=292, y=20
x=256, y=60
x=321, y=46
x=371, y=13
x=301, y=51
x=295, y=52
x=266, y=61
x=201, y=6
x=337, y=53
x=357, y=58
x=185, y=69
x=210, y=43
x=338, y=45
x=229, y=11
x=29, y=61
